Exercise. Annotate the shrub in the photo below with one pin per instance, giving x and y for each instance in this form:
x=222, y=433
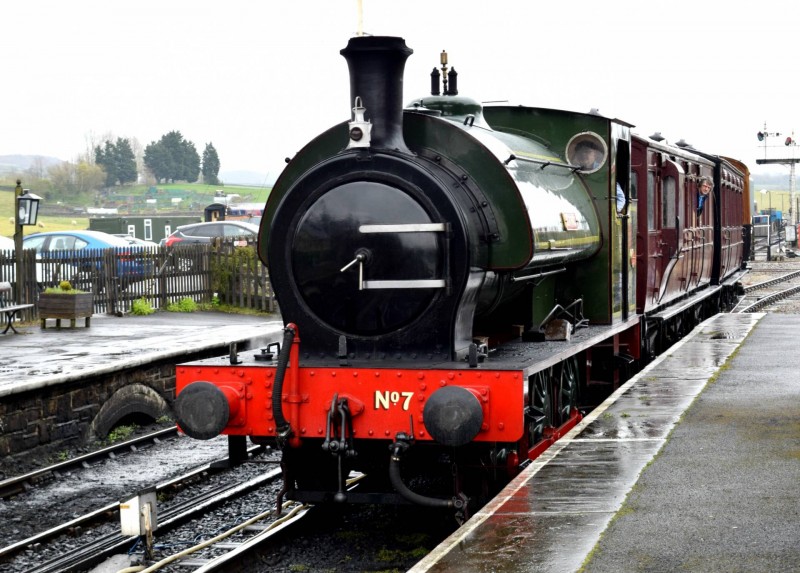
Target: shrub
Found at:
x=120, y=433
x=184, y=305
x=225, y=268
x=141, y=307
x=64, y=287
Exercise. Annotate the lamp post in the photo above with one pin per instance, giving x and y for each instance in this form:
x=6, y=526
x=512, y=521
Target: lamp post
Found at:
x=769, y=226
x=26, y=213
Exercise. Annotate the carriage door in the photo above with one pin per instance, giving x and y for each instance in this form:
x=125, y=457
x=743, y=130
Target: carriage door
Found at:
x=624, y=212
x=654, y=242
x=674, y=268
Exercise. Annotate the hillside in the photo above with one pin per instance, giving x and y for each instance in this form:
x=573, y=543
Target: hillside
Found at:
x=21, y=163
x=15, y=164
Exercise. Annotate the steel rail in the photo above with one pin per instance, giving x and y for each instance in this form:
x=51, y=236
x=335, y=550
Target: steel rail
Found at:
x=235, y=550
x=14, y=485
x=89, y=555
x=743, y=305
x=769, y=299
x=771, y=282
x=112, y=509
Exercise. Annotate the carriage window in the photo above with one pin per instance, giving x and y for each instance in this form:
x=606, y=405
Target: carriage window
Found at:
x=668, y=203
x=634, y=191
x=651, y=201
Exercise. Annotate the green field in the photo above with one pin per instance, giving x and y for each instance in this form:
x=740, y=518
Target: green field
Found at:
x=58, y=223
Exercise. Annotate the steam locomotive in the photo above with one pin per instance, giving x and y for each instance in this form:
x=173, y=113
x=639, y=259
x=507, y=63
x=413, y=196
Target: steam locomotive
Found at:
x=458, y=281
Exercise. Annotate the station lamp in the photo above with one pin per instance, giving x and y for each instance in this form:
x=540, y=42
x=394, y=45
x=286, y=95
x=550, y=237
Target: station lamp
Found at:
x=27, y=208
x=27, y=211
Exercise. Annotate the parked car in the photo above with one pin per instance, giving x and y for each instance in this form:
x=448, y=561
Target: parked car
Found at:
x=76, y=256
x=8, y=270
x=206, y=232
x=136, y=240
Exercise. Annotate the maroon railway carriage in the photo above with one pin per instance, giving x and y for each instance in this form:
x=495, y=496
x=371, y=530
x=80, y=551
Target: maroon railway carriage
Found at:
x=684, y=252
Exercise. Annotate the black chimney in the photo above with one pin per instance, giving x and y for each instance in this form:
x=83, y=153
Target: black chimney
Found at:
x=376, y=66
x=452, y=82
x=435, y=77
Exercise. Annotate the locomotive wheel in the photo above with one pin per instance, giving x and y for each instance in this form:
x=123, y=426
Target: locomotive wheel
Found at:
x=540, y=412
x=567, y=380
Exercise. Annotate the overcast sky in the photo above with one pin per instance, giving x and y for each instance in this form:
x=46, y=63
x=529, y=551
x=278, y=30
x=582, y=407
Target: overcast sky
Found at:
x=258, y=79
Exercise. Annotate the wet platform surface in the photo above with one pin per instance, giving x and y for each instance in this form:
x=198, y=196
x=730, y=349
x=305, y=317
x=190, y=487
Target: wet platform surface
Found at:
x=666, y=475
x=37, y=357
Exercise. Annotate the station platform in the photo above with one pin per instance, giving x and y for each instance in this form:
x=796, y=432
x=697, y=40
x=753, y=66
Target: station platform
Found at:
x=692, y=465
x=36, y=358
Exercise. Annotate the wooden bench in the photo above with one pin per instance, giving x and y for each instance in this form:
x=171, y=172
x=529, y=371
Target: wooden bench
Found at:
x=9, y=307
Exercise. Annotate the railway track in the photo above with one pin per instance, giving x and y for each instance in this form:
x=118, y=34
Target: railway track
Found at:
x=110, y=512
x=189, y=535
x=222, y=551
x=37, y=499
x=252, y=534
x=19, y=484
x=774, y=293
x=85, y=541
x=184, y=514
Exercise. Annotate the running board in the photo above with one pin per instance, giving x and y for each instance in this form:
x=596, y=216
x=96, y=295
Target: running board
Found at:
x=685, y=304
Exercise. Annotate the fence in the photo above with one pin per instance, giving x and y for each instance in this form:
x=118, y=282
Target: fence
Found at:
x=117, y=278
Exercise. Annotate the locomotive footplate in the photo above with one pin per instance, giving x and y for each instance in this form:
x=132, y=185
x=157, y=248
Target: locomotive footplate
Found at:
x=516, y=355
x=533, y=357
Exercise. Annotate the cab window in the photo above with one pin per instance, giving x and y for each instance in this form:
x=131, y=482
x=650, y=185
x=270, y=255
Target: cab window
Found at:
x=587, y=151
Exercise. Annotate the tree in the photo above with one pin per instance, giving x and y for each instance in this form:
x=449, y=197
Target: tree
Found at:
x=70, y=180
x=172, y=158
x=158, y=160
x=126, y=162
x=118, y=161
x=210, y=165
x=190, y=162
x=104, y=157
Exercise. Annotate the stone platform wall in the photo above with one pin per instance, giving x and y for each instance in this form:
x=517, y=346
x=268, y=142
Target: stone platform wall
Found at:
x=56, y=418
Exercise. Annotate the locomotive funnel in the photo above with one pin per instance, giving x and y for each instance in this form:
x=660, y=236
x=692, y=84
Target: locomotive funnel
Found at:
x=376, y=66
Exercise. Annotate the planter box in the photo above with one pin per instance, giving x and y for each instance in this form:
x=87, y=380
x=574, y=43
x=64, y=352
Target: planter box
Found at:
x=69, y=306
